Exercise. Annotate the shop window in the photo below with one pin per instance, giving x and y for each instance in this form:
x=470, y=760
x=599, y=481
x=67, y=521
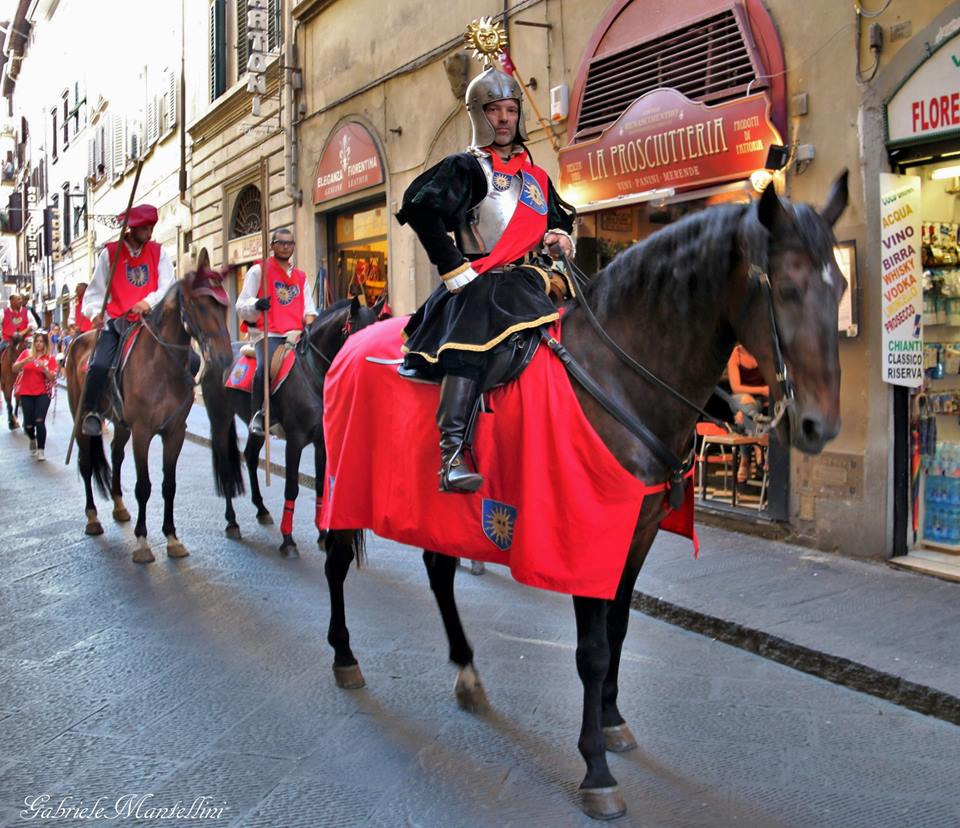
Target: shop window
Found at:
x=708, y=61
x=359, y=252
x=246, y=213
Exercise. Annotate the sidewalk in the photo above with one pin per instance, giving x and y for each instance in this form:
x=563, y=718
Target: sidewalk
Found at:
x=865, y=625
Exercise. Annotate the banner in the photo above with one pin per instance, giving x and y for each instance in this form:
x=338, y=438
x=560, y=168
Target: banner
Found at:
x=902, y=279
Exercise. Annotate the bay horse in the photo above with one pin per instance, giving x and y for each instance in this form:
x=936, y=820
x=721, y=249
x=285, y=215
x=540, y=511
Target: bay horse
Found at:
x=157, y=393
x=763, y=274
x=7, y=376
x=297, y=406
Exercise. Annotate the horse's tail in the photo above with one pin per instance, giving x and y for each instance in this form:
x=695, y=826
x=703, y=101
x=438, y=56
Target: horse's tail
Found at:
x=227, y=467
x=99, y=466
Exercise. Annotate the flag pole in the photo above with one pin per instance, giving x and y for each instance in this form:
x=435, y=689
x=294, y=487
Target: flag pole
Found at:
x=264, y=241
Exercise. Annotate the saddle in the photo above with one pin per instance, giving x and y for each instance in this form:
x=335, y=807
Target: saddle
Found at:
x=240, y=376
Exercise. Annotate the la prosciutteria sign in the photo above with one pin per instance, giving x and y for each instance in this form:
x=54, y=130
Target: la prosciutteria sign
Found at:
x=664, y=140
x=349, y=163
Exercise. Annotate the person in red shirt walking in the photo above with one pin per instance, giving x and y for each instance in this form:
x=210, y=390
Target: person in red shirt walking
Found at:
x=286, y=299
x=143, y=275
x=37, y=370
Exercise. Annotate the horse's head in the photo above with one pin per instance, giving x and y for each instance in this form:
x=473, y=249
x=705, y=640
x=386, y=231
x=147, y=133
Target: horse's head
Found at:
x=797, y=315
x=334, y=324
x=204, y=305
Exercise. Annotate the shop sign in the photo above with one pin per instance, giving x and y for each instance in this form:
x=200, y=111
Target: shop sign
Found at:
x=901, y=282
x=245, y=249
x=666, y=141
x=257, y=26
x=927, y=105
x=349, y=163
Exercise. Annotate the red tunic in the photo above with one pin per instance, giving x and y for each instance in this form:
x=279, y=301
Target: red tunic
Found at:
x=83, y=323
x=14, y=322
x=32, y=382
x=286, y=298
x=134, y=278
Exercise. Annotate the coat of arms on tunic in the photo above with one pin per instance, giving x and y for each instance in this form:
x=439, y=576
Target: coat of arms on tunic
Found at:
x=501, y=181
x=286, y=293
x=532, y=195
x=137, y=276
x=498, y=520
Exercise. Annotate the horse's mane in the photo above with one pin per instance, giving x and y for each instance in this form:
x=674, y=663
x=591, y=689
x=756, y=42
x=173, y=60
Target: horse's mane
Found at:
x=679, y=267
x=155, y=317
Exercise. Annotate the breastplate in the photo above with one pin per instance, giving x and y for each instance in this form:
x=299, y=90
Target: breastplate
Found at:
x=487, y=221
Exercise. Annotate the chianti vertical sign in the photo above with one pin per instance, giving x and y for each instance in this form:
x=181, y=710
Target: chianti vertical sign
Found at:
x=901, y=279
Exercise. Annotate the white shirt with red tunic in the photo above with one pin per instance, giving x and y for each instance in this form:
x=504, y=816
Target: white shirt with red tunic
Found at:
x=14, y=322
x=145, y=274
x=291, y=300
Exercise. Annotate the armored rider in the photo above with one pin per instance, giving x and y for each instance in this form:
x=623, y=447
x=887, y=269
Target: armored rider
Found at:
x=143, y=274
x=287, y=300
x=500, y=207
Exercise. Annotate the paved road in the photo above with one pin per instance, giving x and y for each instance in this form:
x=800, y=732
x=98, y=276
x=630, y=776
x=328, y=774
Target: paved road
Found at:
x=210, y=677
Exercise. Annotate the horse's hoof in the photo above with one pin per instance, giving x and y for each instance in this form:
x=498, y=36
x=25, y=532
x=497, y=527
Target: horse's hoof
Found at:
x=349, y=678
x=143, y=553
x=602, y=803
x=619, y=738
x=469, y=692
x=175, y=549
x=233, y=532
x=265, y=519
x=94, y=528
x=289, y=550
x=121, y=515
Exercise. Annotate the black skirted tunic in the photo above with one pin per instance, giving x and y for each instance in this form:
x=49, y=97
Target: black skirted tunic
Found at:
x=451, y=332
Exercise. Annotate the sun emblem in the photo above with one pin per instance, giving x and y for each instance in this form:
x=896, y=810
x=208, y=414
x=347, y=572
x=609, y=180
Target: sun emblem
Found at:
x=534, y=194
x=485, y=38
x=498, y=521
x=501, y=181
x=286, y=293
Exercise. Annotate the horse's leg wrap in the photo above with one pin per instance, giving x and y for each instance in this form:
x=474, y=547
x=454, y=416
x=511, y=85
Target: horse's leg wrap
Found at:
x=286, y=524
x=316, y=518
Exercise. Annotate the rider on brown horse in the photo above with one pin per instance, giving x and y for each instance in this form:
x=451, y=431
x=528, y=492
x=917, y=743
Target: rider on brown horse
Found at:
x=16, y=323
x=143, y=275
x=500, y=207
x=287, y=301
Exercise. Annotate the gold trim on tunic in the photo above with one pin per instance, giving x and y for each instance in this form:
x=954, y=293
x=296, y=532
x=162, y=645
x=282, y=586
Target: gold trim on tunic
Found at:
x=463, y=346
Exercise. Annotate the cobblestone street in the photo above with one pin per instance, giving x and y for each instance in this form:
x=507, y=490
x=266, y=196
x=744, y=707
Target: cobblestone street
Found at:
x=209, y=677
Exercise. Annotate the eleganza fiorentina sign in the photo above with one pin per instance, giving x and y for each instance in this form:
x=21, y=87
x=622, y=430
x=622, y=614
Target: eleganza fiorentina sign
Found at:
x=664, y=140
x=901, y=282
x=349, y=163
x=928, y=104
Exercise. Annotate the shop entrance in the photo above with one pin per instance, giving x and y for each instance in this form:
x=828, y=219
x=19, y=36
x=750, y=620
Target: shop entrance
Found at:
x=357, y=245
x=746, y=477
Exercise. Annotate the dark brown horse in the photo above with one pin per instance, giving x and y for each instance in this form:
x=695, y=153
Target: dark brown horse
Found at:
x=297, y=407
x=763, y=274
x=7, y=376
x=157, y=393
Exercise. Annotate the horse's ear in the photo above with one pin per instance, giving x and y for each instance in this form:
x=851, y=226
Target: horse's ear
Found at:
x=355, y=306
x=837, y=200
x=769, y=209
x=378, y=305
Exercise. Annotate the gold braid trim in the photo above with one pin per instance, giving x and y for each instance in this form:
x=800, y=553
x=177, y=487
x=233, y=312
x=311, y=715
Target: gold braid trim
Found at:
x=456, y=272
x=461, y=346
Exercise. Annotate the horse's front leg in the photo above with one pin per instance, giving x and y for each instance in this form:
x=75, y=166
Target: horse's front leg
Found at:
x=85, y=464
x=291, y=488
x=320, y=471
x=600, y=795
x=468, y=690
x=341, y=546
x=141, y=452
x=120, y=437
x=172, y=444
x=251, y=453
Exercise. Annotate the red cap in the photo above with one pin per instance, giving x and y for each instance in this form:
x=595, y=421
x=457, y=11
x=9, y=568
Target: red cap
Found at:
x=141, y=215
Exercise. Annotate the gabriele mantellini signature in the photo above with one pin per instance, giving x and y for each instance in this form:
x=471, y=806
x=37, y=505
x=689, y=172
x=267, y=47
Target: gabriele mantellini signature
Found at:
x=44, y=807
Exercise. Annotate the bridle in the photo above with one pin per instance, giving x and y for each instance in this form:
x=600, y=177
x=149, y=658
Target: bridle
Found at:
x=311, y=351
x=757, y=279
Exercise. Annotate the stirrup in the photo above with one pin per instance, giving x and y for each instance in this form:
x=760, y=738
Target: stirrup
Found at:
x=255, y=426
x=455, y=477
x=92, y=425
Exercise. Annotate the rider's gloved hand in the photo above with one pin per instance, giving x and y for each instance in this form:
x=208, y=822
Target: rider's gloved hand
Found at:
x=263, y=303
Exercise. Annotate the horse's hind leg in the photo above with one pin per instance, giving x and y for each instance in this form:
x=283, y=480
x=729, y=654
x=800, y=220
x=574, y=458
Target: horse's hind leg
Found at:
x=441, y=570
x=141, y=448
x=341, y=547
x=120, y=437
x=251, y=453
x=291, y=488
x=320, y=470
x=85, y=464
x=172, y=444
x=233, y=528
x=600, y=795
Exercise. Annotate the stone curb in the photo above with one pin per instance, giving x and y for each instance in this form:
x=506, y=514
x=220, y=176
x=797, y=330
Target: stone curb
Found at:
x=839, y=670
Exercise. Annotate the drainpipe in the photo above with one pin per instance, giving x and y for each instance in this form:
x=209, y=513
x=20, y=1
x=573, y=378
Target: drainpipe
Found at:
x=291, y=81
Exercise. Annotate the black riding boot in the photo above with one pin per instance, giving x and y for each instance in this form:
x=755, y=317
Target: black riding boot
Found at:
x=457, y=397
x=92, y=424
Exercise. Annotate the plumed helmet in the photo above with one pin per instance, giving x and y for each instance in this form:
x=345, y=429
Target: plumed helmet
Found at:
x=489, y=86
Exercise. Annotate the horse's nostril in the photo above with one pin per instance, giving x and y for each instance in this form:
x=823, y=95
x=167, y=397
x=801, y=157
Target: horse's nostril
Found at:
x=811, y=429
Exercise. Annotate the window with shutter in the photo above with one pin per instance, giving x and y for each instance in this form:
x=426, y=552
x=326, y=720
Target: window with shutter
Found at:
x=119, y=146
x=273, y=25
x=218, y=48
x=169, y=99
x=53, y=136
x=91, y=157
x=708, y=61
x=154, y=111
x=243, y=43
